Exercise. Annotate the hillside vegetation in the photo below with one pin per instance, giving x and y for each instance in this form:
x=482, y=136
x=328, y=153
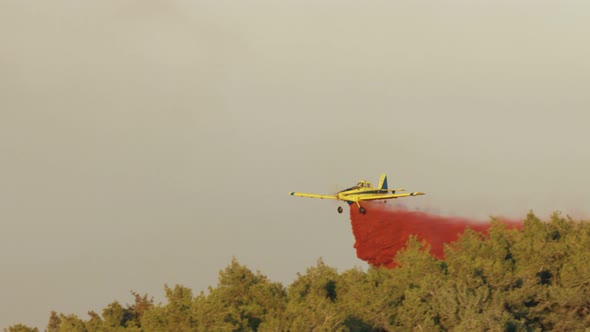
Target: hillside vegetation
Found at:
x=537, y=278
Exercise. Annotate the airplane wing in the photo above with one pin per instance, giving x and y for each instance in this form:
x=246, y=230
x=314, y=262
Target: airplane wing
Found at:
x=388, y=196
x=313, y=195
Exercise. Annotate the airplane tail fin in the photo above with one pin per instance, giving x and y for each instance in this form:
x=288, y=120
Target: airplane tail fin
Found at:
x=383, y=182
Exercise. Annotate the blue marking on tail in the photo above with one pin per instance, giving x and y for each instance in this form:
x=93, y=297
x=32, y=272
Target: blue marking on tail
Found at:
x=385, y=184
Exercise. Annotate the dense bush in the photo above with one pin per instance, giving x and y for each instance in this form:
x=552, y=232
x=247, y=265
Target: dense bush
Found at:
x=537, y=278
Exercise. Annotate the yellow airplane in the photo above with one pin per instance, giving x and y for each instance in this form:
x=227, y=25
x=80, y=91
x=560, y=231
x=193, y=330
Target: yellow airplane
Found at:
x=362, y=191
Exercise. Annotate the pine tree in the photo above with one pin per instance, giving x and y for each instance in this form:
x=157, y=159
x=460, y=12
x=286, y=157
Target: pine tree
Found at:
x=21, y=328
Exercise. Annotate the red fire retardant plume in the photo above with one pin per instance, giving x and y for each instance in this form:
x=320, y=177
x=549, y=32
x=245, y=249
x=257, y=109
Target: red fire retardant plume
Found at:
x=384, y=230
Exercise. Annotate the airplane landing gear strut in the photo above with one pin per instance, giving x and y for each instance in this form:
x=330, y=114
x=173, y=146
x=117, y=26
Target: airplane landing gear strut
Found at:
x=362, y=210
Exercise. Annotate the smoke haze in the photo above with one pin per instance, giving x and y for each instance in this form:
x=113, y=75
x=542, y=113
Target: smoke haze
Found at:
x=148, y=142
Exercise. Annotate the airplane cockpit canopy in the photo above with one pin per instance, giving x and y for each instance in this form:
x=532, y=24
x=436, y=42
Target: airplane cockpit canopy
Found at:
x=363, y=184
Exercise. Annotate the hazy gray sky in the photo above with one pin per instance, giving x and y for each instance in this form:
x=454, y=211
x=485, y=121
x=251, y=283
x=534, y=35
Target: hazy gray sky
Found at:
x=148, y=142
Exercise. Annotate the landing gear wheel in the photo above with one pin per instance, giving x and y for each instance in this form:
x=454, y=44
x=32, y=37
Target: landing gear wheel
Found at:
x=340, y=209
x=362, y=210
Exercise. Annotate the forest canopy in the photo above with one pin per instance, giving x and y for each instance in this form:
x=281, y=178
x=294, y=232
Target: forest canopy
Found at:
x=537, y=278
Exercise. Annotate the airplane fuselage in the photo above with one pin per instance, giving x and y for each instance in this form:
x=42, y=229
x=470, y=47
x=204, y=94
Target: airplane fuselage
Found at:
x=353, y=195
